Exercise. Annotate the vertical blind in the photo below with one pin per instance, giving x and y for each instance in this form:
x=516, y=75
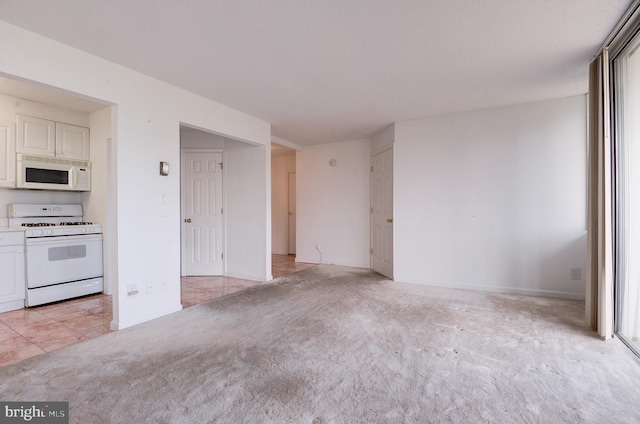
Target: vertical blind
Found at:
x=599, y=293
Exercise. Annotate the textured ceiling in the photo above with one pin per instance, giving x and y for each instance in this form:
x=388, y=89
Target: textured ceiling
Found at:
x=332, y=70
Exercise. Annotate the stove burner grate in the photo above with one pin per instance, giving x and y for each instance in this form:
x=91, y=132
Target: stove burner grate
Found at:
x=51, y=224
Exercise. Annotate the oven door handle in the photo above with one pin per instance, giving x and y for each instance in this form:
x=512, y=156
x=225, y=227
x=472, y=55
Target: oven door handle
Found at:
x=62, y=239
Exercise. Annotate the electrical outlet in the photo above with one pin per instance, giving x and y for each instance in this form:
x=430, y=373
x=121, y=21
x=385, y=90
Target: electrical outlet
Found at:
x=150, y=288
x=164, y=285
x=576, y=274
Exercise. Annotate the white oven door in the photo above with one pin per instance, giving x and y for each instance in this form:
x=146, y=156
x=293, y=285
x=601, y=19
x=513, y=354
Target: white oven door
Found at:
x=54, y=260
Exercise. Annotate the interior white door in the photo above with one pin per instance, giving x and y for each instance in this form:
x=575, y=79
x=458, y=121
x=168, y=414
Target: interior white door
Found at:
x=202, y=219
x=292, y=213
x=382, y=214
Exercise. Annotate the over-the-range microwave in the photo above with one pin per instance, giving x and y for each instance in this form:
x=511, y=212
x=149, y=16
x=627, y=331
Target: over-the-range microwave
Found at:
x=47, y=173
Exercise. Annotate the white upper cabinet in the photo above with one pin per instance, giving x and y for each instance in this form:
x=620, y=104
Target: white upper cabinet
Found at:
x=36, y=136
x=7, y=154
x=48, y=138
x=72, y=142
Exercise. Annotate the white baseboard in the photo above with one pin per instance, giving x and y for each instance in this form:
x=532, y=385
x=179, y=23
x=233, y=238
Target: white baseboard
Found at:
x=12, y=305
x=504, y=290
x=306, y=260
x=120, y=325
x=246, y=277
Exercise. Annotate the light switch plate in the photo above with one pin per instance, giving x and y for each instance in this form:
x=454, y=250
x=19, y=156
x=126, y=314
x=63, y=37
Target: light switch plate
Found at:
x=164, y=168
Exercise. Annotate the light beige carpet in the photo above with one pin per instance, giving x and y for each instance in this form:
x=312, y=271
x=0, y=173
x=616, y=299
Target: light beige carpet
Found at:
x=341, y=345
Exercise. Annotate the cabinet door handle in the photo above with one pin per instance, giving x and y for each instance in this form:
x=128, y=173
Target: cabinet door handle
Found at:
x=188, y=220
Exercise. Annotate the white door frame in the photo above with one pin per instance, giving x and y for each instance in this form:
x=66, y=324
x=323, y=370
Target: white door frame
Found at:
x=183, y=247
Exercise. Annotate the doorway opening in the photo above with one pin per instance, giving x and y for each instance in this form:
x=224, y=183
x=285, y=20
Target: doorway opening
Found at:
x=220, y=198
x=283, y=212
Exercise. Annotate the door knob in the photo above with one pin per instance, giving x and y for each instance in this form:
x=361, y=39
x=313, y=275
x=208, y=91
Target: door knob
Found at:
x=188, y=220
x=389, y=220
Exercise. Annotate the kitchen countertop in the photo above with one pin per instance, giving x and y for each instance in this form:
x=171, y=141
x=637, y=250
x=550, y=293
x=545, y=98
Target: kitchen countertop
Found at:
x=9, y=229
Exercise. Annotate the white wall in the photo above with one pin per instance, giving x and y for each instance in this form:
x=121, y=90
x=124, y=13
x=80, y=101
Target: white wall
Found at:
x=195, y=139
x=383, y=140
x=147, y=118
x=494, y=199
x=245, y=206
x=96, y=201
x=281, y=166
x=333, y=203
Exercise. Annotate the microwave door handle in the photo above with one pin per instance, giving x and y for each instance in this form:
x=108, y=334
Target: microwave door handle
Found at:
x=72, y=177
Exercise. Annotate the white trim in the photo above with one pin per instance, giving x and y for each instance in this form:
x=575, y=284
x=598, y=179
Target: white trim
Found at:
x=620, y=32
x=307, y=260
x=139, y=319
x=286, y=143
x=502, y=290
x=248, y=277
x=12, y=305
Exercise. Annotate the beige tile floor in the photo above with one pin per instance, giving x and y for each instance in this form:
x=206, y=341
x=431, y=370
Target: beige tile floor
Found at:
x=286, y=264
x=29, y=332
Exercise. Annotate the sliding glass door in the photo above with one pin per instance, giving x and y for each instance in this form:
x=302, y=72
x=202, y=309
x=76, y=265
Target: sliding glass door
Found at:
x=626, y=125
